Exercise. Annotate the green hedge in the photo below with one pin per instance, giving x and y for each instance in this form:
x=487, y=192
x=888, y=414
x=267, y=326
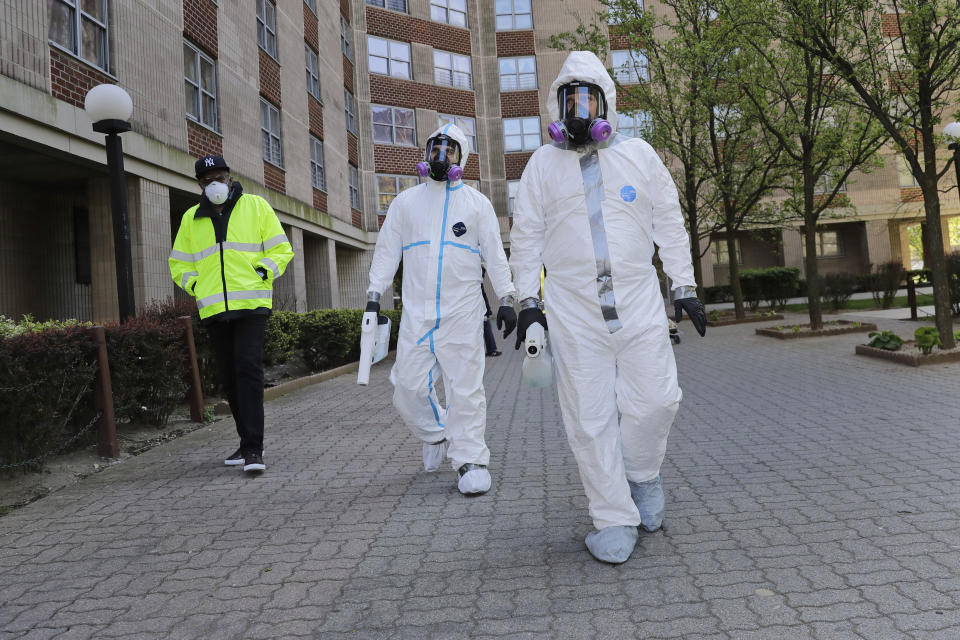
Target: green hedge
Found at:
x=773, y=285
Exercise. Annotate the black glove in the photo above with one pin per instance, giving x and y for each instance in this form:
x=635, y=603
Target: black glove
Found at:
x=261, y=272
x=372, y=306
x=527, y=318
x=694, y=309
x=506, y=319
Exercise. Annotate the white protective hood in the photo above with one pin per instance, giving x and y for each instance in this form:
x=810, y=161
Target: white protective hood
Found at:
x=586, y=67
x=454, y=132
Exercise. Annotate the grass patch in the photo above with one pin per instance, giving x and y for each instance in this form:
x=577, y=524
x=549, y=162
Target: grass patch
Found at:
x=924, y=299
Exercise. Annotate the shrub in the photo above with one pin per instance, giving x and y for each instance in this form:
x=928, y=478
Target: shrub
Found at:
x=836, y=289
x=330, y=337
x=282, y=337
x=885, y=340
x=750, y=287
x=46, y=382
x=719, y=293
x=884, y=282
x=774, y=285
x=927, y=338
x=953, y=280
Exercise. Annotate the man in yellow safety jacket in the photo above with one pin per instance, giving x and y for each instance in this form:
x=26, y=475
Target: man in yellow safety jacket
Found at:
x=229, y=250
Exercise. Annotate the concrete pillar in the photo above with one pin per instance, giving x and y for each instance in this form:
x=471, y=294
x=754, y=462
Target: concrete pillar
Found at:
x=148, y=208
x=353, y=271
x=706, y=262
x=793, y=249
x=103, y=269
x=878, y=242
x=296, y=270
x=331, y=281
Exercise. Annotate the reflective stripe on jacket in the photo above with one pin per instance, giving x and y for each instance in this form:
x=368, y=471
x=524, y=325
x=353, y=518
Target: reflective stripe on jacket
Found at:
x=222, y=275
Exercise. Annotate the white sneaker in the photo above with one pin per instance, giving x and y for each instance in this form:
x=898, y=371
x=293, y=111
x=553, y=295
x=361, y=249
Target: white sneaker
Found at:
x=433, y=455
x=474, y=479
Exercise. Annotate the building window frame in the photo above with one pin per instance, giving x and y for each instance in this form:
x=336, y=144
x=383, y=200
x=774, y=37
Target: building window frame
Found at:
x=313, y=71
x=629, y=66
x=318, y=176
x=267, y=27
x=350, y=111
x=203, y=97
x=452, y=70
x=517, y=80
x=78, y=17
x=390, y=5
x=513, y=186
x=354, y=179
x=389, y=55
x=610, y=12
x=312, y=5
x=400, y=124
x=271, y=133
x=346, y=39
x=524, y=133
x=720, y=256
x=465, y=123
x=385, y=197
x=636, y=123
x=455, y=16
x=513, y=15
x=829, y=245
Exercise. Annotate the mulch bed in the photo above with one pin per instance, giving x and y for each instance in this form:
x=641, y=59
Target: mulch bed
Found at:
x=731, y=318
x=910, y=355
x=830, y=328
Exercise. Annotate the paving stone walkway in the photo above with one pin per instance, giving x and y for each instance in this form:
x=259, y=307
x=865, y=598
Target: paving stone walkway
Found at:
x=811, y=493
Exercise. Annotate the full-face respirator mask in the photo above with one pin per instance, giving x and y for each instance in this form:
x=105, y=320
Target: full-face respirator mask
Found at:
x=442, y=160
x=583, y=111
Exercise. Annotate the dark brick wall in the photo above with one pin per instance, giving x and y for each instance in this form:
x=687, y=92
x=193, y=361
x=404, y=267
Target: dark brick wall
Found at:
x=352, y=151
x=472, y=170
x=396, y=26
x=316, y=117
x=356, y=219
x=310, y=28
x=203, y=142
x=890, y=25
x=319, y=199
x=389, y=159
x=200, y=24
x=404, y=93
x=345, y=9
x=348, y=74
x=913, y=194
x=515, y=163
x=70, y=79
x=516, y=104
x=515, y=43
x=619, y=38
x=274, y=177
x=269, y=78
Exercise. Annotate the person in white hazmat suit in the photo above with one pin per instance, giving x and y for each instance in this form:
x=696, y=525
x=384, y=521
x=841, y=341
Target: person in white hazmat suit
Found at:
x=443, y=230
x=590, y=208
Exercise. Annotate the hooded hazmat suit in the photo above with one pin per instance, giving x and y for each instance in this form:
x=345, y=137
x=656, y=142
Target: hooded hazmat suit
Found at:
x=442, y=231
x=591, y=216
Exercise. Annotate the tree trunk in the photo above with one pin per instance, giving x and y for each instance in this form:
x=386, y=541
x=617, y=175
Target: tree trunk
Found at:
x=692, y=223
x=813, y=276
x=937, y=264
x=735, y=275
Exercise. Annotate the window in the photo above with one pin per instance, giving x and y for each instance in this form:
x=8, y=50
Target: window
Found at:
x=472, y=183
x=267, y=26
x=514, y=14
x=393, y=125
x=828, y=245
x=393, y=5
x=634, y=125
x=726, y=119
x=826, y=183
x=350, y=110
x=389, y=186
x=270, y=134
x=905, y=173
x=517, y=74
x=200, y=82
x=629, y=67
x=452, y=70
x=521, y=134
x=465, y=124
x=512, y=187
x=346, y=39
x=316, y=164
x=612, y=13
x=81, y=29
x=313, y=71
x=354, y=187
x=720, y=255
x=450, y=11
x=389, y=57
x=312, y=4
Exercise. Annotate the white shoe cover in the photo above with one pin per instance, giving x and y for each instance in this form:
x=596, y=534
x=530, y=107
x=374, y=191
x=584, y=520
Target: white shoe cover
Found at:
x=474, y=482
x=612, y=544
x=433, y=455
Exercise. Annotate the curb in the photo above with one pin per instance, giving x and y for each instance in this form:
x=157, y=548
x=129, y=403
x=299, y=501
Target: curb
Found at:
x=282, y=389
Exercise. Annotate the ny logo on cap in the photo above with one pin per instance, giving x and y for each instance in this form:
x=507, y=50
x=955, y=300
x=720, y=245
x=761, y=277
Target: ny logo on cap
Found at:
x=208, y=162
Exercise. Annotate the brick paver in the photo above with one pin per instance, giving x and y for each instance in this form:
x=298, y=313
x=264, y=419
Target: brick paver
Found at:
x=811, y=493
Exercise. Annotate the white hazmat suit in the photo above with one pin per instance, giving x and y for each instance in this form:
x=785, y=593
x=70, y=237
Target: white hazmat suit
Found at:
x=591, y=215
x=442, y=231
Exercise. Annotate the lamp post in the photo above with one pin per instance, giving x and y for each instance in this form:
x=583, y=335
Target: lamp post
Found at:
x=110, y=108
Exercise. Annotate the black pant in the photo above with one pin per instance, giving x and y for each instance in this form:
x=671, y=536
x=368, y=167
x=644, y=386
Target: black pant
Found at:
x=238, y=349
x=488, y=339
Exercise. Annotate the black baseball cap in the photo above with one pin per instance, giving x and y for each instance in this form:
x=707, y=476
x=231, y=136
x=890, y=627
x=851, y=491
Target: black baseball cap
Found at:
x=209, y=163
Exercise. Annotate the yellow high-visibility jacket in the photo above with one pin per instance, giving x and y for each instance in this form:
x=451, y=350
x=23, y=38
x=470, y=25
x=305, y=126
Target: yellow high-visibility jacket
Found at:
x=220, y=272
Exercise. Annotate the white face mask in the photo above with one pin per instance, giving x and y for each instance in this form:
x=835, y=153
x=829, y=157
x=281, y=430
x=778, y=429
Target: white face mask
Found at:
x=217, y=192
